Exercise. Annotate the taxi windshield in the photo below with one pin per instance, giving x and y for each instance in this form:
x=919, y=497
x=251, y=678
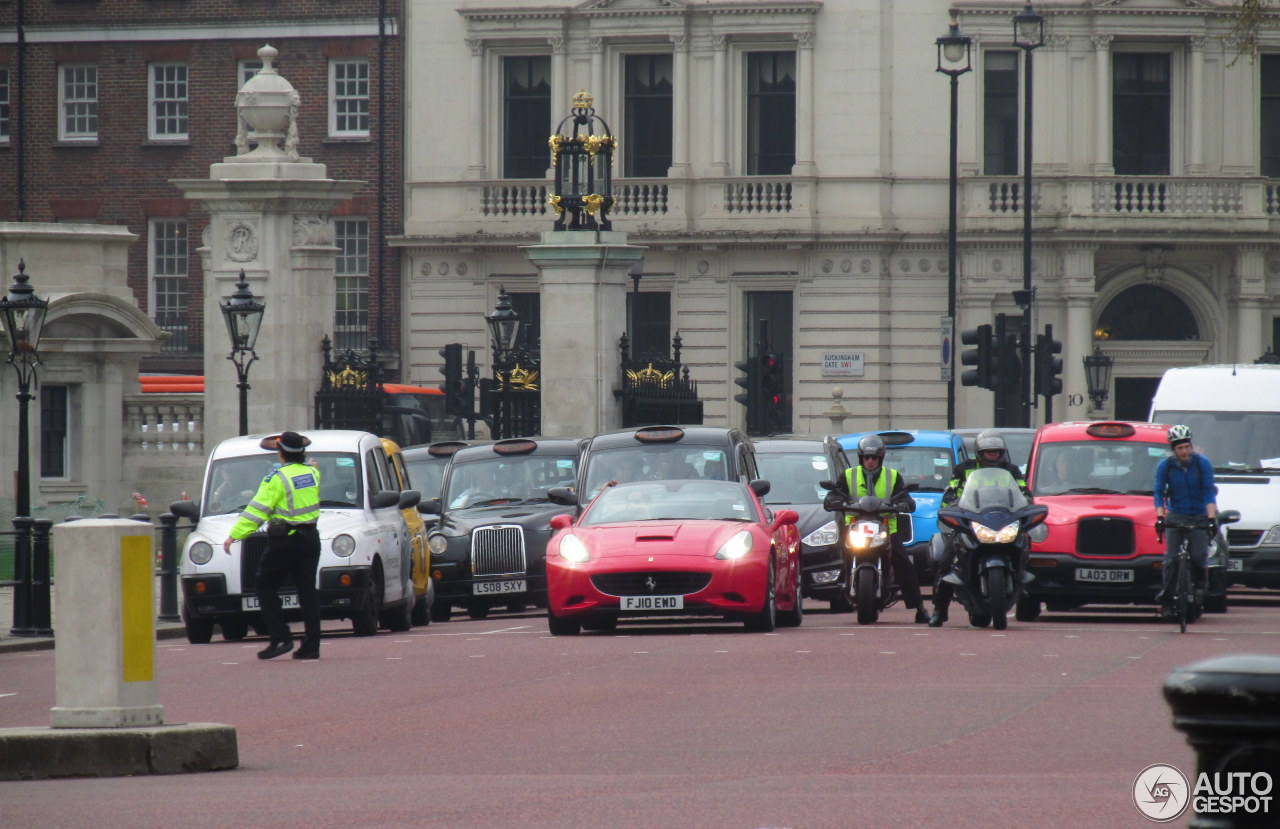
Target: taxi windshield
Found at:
x=1096, y=467
x=793, y=477
x=654, y=462
x=426, y=475
x=671, y=501
x=506, y=479
x=233, y=481
x=991, y=488
x=926, y=466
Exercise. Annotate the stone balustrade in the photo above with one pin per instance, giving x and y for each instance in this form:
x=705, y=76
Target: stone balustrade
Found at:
x=164, y=423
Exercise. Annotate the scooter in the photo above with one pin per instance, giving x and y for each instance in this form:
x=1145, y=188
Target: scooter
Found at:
x=990, y=528
x=865, y=545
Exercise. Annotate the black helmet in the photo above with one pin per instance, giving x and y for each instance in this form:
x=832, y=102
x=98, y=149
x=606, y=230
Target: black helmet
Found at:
x=871, y=445
x=989, y=440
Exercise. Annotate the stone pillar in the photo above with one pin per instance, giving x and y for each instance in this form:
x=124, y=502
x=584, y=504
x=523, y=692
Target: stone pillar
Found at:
x=681, y=84
x=719, y=105
x=1196, y=120
x=268, y=216
x=806, y=117
x=1102, y=160
x=105, y=599
x=583, y=277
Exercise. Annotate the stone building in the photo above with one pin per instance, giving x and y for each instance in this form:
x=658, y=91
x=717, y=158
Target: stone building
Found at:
x=787, y=161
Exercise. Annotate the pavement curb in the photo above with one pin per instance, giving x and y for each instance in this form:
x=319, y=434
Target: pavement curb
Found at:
x=13, y=644
x=44, y=753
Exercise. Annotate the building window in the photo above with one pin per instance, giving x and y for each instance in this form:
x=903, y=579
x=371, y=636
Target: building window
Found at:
x=526, y=116
x=4, y=105
x=771, y=113
x=1147, y=312
x=1000, y=114
x=247, y=68
x=1270, y=140
x=351, y=268
x=647, y=141
x=169, y=98
x=349, y=98
x=78, y=103
x=54, y=411
x=1140, y=113
x=649, y=314
x=169, y=280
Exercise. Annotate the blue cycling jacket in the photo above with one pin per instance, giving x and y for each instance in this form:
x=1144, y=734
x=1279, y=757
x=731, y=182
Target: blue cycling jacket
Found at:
x=1185, y=491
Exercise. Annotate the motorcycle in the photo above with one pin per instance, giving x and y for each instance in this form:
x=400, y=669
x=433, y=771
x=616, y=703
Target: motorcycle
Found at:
x=865, y=546
x=990, y=528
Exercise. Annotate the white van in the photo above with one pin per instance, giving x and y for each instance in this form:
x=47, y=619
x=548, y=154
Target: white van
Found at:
x=365, y=547
x=1234, y=415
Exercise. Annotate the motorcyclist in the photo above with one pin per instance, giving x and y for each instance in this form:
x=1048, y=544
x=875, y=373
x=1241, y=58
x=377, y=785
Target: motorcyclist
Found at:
x=991, y=451
x=872, y=477
x=1184, y=492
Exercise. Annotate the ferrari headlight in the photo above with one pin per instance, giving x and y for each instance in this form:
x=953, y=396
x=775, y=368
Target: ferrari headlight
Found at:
x=986, y=535
x=736, y=547
x=864, y=534
x=572, y=549
x=437, y=544
x=824, y=536
x=200, y=552
x=343, y=545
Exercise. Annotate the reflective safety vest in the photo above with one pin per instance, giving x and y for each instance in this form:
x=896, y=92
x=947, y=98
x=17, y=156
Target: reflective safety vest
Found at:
x=885, y=485
x=290, y=493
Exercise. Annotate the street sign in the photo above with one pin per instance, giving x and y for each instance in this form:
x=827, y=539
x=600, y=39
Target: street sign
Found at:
x=842, y=364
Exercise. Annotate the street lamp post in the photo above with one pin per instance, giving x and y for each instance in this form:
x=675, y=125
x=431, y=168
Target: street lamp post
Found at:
x=583, y=162
x=243, y=315
x=504, y=324
x=955, y=56
x=1028, y=35
x=1097, y=376
x=24, y=315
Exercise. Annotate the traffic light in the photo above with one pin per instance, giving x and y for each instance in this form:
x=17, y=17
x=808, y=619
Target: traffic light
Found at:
x=454, y=386
x=750, y=394
x=979, y=357
x=1048, y=365
x=773, y=398
x=1005, y=371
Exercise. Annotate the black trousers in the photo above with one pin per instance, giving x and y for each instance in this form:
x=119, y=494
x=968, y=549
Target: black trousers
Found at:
x=904, y=574
x=297, y=555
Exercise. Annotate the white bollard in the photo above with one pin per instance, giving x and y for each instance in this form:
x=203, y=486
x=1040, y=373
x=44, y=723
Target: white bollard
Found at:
x=104, y=604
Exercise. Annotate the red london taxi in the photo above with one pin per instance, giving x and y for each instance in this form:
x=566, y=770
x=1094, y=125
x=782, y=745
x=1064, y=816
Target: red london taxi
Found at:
x=674, y=548
x=1099, y=544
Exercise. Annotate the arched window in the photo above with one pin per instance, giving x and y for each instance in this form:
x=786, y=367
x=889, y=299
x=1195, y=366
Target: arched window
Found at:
x=1147, y=312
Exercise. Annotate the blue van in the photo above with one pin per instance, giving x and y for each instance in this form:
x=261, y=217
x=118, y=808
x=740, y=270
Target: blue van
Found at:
x=923, y=457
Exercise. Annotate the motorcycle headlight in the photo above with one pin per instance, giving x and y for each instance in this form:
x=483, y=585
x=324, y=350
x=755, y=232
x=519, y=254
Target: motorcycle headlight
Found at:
x=343, y=545
x=437, y=544
x=824, y=536
x=736, y=547
x=864, y=534
x=200, y=552
x=572, y=549
x=986, y=535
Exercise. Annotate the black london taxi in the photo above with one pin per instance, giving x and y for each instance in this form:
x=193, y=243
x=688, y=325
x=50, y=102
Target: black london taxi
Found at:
x=488, y=545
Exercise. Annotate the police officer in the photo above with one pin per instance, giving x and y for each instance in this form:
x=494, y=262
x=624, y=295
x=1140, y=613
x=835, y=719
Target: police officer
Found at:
x=288, y=503
x=989, y=446
x=872, y=477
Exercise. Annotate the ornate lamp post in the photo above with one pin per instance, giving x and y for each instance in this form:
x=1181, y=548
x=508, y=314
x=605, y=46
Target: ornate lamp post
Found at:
x=504, y=324
x=583, y=161
x=24, y=315
x=1097, y=374
x=1028, y=35
x=243, y=315
x=955, y=58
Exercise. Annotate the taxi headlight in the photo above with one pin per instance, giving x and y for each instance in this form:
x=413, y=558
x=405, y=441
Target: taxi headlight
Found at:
x=343, y=545
x=572, y=549
x=437, y=544
x=200, y=552
x=985, y=535
x=736, y=547
x=824, y=536
x=1038, y=533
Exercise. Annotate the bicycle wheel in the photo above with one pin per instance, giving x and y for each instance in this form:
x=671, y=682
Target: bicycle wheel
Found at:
x=1183, y=587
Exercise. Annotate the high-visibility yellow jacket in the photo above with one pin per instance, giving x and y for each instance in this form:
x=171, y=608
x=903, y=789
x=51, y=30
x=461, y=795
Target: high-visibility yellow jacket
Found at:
x=886, y=484
x=290, y=493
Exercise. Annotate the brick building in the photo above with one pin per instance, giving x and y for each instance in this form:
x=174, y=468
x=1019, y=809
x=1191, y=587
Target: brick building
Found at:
x=103, y=103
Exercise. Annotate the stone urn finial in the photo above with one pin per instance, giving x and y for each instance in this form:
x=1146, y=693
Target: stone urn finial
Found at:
x=268, y=105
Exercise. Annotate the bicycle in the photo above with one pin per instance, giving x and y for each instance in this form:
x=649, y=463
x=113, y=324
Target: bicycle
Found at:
x=1188, y=603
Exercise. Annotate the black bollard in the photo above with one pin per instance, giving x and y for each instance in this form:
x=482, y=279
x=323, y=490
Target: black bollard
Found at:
x=1229, y=708
x=169, y=568
x=22, y=576
x=41, y=579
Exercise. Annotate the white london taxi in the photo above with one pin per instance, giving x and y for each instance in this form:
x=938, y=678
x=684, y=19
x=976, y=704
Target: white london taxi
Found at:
x=365, y=546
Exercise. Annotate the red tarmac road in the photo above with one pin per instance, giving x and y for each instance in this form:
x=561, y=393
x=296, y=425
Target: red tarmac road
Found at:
x=497, y=724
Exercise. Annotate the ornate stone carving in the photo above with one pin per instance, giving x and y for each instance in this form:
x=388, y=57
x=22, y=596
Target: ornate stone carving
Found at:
x=267, y=104
x=309, y=229
x=242, y=242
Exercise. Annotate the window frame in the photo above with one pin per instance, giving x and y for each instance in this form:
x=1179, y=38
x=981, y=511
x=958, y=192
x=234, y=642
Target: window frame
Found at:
x=335, y=117
x=154, y=119
x=740, y=92
x=181, y=315
x=91, y=104
x=1018, y=95
x=1177, y=108
x=344, y=336
x=628, y=126
x=64, y=435
x=5, y=92
x=500, y=134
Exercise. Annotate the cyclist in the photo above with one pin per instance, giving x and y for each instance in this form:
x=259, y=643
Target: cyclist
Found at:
x=1185, y=494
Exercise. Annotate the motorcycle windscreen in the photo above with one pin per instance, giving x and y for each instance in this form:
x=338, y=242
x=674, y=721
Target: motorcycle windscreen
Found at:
x=991, y=488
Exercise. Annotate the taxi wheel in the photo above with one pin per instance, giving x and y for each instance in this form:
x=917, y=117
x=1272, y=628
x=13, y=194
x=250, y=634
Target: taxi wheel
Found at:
x=199, y=631
x=517, y=607
x=365, y=620
x=1027, y=609
x=234, y=631
x=478, y=611
x=441, y=610
x=400, y=619
x=421, y=612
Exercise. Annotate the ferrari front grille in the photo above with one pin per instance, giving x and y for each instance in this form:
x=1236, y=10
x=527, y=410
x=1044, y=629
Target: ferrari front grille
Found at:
x=649, y=583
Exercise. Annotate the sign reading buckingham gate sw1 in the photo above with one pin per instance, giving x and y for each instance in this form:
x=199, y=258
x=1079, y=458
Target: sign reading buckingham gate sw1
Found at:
x=842, y=364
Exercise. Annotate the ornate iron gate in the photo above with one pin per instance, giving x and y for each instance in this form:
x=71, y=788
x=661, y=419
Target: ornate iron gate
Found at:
x=516, y=407
x=656, y=389
x=350, y=395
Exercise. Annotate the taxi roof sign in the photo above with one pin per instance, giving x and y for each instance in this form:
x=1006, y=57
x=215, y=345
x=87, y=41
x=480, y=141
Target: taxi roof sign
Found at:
x=1110, y=430
x=445, y=448
x=659, y=434
x=514, y=446
x=897, y=438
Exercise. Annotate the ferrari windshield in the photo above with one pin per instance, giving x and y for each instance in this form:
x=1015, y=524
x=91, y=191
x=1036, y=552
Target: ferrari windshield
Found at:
x=991, y=488
x=671, y=501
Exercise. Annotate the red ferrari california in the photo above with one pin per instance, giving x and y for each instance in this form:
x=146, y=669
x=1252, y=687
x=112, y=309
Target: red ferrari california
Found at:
x=674, y=548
